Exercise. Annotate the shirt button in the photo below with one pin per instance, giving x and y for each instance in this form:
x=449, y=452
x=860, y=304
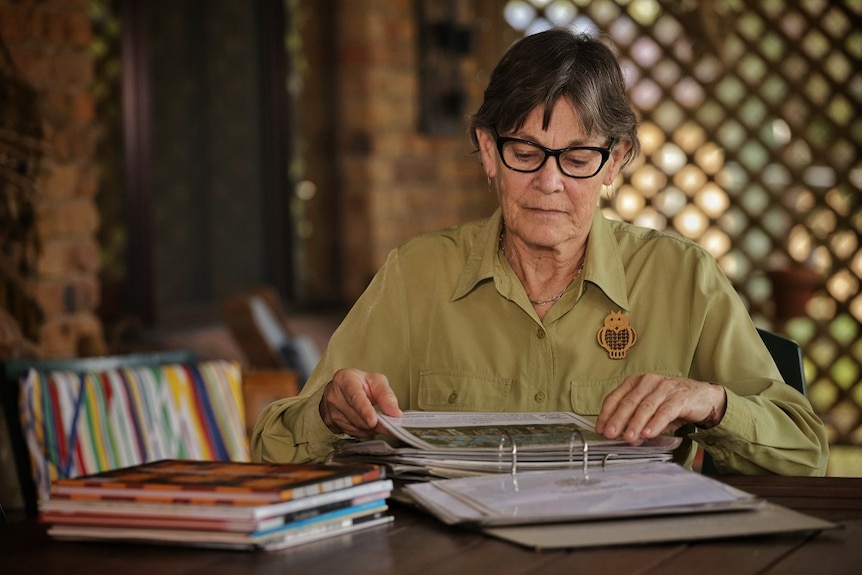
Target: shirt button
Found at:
x=453, y=397
x=540, y=397
x=540, y=333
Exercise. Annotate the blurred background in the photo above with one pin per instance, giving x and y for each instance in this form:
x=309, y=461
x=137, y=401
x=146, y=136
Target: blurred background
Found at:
x=158, y=158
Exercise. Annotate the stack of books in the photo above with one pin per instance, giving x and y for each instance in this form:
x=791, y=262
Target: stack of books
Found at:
x=220, y=504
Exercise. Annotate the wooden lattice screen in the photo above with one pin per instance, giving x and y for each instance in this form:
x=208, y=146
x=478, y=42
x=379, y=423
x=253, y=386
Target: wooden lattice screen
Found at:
x=751, y=131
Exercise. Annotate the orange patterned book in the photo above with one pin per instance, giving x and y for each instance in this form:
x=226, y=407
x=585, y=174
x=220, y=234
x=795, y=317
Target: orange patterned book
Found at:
x=228, y=482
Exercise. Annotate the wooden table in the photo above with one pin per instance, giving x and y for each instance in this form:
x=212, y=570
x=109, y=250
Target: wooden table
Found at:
x=418, y=544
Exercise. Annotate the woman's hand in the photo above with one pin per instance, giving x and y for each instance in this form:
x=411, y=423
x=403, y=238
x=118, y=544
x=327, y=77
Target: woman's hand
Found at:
x=349, y=400
x=644, y=406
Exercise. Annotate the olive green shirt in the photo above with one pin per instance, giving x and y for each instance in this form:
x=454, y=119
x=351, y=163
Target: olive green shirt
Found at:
x=450, y=325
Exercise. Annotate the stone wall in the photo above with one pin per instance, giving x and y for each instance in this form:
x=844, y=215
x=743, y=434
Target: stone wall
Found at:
x=49, y=42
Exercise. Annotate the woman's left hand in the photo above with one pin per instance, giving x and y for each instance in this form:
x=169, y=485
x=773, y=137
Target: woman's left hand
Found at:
x=644, y=406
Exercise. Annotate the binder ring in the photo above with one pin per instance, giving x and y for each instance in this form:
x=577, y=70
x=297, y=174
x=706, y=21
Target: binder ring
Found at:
x=585, y=452
x=514, y=451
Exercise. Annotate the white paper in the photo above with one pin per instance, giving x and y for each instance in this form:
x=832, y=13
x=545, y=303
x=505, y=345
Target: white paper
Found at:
x=554, y=496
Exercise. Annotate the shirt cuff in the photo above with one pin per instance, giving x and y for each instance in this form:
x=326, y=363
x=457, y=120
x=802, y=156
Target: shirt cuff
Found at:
x=736, y=425
x=320, y=438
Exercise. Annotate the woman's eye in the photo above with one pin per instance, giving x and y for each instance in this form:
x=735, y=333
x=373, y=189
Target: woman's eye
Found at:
x=578, y=159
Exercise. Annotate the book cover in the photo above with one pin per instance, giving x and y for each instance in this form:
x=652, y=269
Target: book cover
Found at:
x=233, y=482
x=57, y=509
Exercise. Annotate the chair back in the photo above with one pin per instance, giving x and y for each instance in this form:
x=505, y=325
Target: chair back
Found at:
x=70, y=417
x=787, y=356
x=259, y=325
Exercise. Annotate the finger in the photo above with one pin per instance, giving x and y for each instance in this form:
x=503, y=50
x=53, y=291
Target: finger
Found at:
x=621, y=404
x=352, y=401
x=609, y=407
x=359, y=403
x=382, y=395
x=682, y=401
x=671, y=404
x=345, y=404
x=653, y=416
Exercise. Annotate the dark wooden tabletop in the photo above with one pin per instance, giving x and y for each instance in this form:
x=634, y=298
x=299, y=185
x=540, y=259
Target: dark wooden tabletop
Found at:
x=417, y=544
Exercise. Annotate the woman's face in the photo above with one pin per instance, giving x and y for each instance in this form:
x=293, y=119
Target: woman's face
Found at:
x=546, y=209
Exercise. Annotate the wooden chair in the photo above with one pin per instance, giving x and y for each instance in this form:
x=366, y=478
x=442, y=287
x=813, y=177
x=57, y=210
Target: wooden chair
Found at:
x=788, y=358
x=11, y=390
x=260, y=387
x=260, y=327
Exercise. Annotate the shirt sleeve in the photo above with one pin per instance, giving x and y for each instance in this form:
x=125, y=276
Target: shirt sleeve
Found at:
x=373, y=337
x=768, y=427
x=288, y=430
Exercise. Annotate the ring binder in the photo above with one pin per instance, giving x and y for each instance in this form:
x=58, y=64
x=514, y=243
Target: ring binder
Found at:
x=607, y=458
x=577, y=434
x=514, y=452
x=585, y=463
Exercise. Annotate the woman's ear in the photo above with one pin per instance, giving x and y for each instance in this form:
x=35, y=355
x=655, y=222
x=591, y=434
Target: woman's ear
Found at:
x=487, y=152
x=615, y=162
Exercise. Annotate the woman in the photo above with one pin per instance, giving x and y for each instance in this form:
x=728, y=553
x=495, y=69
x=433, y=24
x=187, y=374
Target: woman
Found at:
x=548, y=306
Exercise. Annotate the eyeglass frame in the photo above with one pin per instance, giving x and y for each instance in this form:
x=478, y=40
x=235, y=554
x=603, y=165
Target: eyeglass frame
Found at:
x=605, y=152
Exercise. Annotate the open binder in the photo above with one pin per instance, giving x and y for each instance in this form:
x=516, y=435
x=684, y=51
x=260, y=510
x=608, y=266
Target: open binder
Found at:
x=575, y=494
x=431, y=445
x=603, y=505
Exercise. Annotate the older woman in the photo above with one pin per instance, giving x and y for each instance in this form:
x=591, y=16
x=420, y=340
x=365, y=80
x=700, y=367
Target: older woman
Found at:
x=548, y=306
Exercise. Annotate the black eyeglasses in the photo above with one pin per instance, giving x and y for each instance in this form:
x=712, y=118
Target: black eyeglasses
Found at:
x=575, y=162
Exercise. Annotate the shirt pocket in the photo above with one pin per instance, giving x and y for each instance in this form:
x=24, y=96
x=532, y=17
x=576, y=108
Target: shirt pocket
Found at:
x=450, y=390
x=587, y=396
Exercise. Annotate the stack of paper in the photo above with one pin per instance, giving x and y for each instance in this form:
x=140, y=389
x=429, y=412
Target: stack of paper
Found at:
x=647, y=489
x=640, y=503
x=454, y=444
x=219, y=504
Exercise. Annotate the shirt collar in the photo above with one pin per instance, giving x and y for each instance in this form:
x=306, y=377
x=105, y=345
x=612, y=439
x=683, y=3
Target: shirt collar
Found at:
x=603, y=265
x=481, y=262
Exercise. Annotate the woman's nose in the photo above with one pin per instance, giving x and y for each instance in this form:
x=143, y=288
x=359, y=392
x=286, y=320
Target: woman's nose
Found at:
x=549, y=177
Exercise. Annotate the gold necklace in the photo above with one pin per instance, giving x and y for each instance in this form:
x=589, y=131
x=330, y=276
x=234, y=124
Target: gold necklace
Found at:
x=541, y=301
x=552, y=300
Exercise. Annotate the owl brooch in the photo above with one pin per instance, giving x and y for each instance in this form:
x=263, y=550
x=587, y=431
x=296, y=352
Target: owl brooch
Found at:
x=616, y=336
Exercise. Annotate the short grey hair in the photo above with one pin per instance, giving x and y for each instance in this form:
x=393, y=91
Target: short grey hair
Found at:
x=540, y=69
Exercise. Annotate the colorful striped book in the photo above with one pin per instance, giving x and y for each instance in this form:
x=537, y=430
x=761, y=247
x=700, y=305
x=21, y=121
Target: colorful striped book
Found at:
x=79, y=424
x=209, y=482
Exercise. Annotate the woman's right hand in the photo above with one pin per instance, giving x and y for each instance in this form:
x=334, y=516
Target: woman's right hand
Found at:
x=349, y=400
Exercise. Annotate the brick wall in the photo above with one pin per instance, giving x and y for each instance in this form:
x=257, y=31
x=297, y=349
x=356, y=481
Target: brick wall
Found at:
x=49, y=42
x=396, y=181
